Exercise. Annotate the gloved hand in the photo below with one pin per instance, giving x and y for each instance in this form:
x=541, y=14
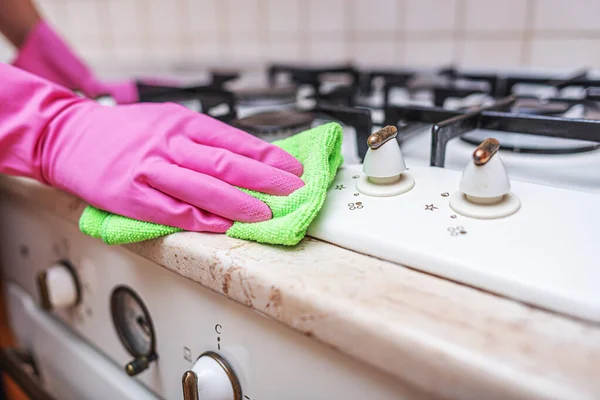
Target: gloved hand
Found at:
x=46, y=54
x=154, y=162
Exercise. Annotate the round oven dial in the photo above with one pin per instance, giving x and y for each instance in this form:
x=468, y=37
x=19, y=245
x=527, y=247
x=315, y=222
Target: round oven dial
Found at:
x=59, y=287
x=211, y=378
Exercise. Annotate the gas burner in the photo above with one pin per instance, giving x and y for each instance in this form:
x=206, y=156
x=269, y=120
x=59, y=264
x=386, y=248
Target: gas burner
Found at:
x=321, y=79
x=531, y=144
x=266, y=96
x=534, y=106
x=275, y=124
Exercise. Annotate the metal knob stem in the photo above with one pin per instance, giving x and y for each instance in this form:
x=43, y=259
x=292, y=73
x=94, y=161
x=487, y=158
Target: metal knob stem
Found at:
x=484, y=152
x=382, y=136
x=192, y=384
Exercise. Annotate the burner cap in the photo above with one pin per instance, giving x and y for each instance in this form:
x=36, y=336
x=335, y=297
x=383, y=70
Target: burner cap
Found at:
x=266, y=95
x=275, y=122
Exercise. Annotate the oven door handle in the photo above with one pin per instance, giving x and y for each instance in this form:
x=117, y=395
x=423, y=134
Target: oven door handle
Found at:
x=15, y=364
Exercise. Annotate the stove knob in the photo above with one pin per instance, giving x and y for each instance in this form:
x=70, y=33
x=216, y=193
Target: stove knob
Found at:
x=384, y=166
x=211, y=378
x=59, y=287
x=484, y=190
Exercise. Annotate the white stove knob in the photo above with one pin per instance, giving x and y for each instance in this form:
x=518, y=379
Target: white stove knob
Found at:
x=485, y=186
x=384, y=166
x=59, y=287
x=485, y=180
x=211, y=378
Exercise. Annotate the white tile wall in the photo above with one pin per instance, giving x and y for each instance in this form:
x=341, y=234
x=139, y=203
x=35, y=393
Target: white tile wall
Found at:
x=495, y=15
x=163, y=19
x=327, y=16
x=429, y=53
x=201, y=17
x=283, y=16
x=430, y=15
x=282, y=51
x=125, y=20
x=565, y=53
x=497, y=53
x=478, y=33
x=386, y=53
x=571, y=15
x=241, y=18
x=376, y=16
x=328, y=50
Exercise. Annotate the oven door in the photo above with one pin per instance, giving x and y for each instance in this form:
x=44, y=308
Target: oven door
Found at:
x=54, y=363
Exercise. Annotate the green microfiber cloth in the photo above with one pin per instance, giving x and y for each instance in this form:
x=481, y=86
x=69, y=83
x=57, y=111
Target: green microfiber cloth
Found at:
x=319, y=151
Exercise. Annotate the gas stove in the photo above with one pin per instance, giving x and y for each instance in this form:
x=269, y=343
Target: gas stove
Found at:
x=483, y=178
x=546, y=123
x=425, y=189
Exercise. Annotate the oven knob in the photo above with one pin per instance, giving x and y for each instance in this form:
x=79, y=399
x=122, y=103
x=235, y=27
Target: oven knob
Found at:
x=384, y=166
x=211, y=378
x=484, y=190
x=59, y=287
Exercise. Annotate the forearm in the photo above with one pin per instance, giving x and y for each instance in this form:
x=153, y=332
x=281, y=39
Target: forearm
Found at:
x=28, y=105
x=17, y=18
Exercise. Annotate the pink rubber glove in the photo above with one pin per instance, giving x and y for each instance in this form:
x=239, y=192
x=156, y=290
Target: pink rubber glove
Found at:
x=154, y=162
x=46, y=54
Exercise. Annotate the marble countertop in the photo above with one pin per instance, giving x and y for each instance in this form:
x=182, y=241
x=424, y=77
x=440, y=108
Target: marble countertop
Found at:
x=449, y=340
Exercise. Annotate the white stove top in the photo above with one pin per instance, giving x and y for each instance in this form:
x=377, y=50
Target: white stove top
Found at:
x=571, y=171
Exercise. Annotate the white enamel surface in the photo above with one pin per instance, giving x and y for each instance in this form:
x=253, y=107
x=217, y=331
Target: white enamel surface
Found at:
x=402, y=184
x=213, y=382
x=70, y=368
x=569, y=171
x=498, y=208
x=62, y=288
x=488, y=180
x=385, y=161
x=545, y=254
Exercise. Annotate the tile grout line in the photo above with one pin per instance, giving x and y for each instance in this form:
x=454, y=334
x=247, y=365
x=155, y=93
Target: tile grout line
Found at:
x=263, y=31
x=350, y=35
x=400, y=32
x=223, y=36
x=460, y=16
x=105, y=36
x=303, y=37
x=146, y=38
x=185, y=30
x=526, y=44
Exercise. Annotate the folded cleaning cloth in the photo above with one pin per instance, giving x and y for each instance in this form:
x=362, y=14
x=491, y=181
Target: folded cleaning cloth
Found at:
x=319, y=151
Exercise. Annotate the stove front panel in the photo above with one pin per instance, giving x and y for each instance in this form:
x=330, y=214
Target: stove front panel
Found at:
x=270, y=360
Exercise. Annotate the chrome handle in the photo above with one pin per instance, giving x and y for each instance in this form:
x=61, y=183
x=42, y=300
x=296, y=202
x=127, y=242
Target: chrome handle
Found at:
x=15, y=364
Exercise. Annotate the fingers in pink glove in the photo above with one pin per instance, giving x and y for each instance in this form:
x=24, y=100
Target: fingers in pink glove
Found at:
x=208, y=193
x=215, y=133
x=177, y=213
x=238, y=170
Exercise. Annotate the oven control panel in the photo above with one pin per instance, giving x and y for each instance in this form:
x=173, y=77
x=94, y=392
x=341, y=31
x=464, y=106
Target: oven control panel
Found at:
x=177, y=339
